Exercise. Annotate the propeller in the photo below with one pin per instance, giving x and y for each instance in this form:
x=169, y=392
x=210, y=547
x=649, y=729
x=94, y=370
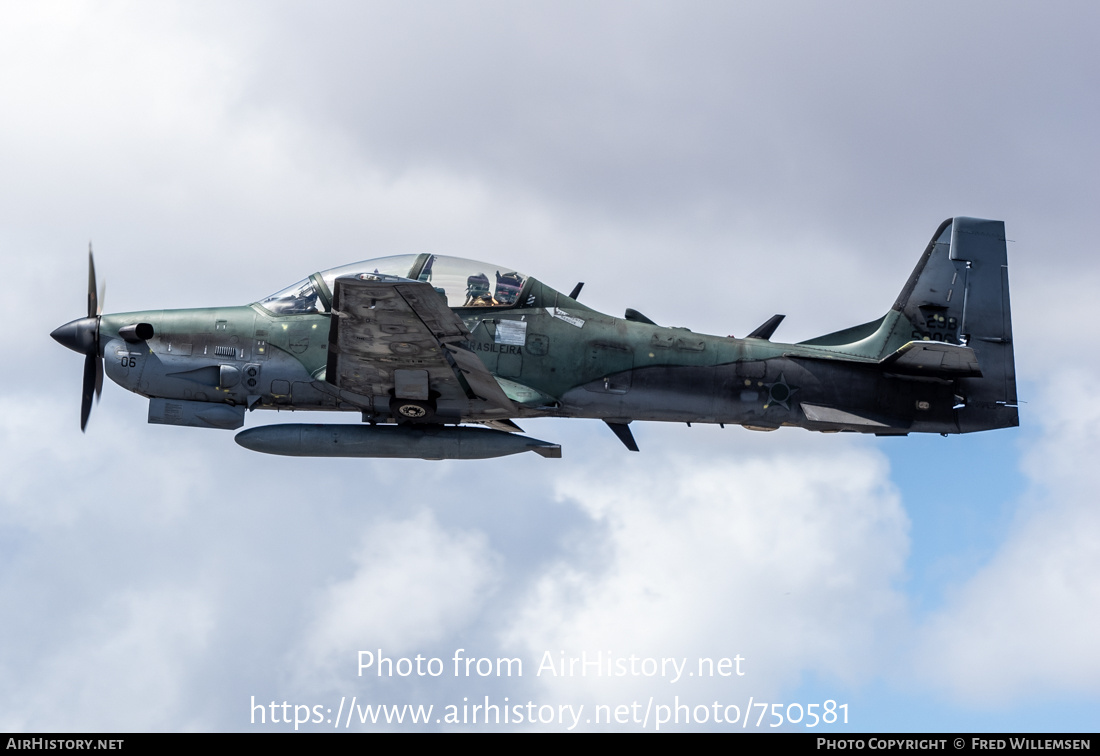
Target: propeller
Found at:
x=82, y=335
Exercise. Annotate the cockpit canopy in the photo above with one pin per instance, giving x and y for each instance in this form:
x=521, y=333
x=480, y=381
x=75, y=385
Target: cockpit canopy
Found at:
x=463, y=283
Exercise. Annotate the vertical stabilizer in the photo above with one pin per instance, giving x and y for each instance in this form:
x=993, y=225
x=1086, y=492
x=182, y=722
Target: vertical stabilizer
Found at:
x=958, y=294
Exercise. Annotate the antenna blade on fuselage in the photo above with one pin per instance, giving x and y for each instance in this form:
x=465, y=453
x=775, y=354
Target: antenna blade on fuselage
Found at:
x=622, y=430
x=766, y=330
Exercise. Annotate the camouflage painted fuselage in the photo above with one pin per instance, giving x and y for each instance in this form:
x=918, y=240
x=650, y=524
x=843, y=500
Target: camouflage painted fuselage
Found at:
x=552, y=356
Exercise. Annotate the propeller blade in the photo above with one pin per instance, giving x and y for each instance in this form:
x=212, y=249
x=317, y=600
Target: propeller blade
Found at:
x=89, y=331
x=82, y=335
x=93, y=300
x=91, y=362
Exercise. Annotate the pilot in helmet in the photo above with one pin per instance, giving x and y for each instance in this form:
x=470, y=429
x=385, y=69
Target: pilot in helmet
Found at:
x=508, y=288
x=477, y=291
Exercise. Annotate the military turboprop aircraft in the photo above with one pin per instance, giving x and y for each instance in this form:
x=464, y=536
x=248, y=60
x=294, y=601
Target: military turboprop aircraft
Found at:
x=424, y=345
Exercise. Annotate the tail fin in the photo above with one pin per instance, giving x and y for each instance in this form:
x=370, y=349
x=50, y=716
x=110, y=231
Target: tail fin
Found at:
x=958, y=294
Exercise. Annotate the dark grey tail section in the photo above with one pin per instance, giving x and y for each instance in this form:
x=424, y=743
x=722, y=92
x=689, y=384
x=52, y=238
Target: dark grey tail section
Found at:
x=958, y=294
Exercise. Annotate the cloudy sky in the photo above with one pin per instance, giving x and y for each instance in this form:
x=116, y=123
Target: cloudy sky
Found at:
x=752, y=157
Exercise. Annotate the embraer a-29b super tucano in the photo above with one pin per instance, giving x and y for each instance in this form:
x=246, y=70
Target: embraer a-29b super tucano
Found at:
x=424, y=345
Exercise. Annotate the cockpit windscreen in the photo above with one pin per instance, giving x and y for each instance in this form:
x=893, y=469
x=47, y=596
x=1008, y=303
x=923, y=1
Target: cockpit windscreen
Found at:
x=463, y=283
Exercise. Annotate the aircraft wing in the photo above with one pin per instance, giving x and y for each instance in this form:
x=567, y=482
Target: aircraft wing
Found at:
x=397, y=337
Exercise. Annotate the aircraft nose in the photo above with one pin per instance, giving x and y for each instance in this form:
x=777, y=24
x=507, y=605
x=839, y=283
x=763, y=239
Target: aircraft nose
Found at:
x=78, y=335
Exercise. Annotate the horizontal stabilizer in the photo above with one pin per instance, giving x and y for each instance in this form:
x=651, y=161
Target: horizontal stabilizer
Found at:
x=934, y=358
x=766, y=330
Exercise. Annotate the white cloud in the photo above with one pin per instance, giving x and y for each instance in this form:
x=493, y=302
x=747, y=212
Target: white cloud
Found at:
x=788, y=561
x=57, y=478
x=414, y=584
x=1025, y=624
x=125, y=665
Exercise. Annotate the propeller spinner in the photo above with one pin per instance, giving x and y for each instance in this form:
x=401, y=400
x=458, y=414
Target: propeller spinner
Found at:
x=82, y=335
